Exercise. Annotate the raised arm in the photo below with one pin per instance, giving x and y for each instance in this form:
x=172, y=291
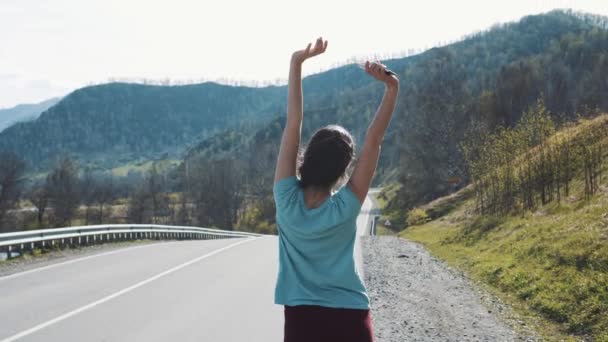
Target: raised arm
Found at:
x=366, y=165
x=290, y=142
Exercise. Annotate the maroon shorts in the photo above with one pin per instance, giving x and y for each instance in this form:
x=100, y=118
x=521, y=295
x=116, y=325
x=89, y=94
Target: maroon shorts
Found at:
x=309, y=323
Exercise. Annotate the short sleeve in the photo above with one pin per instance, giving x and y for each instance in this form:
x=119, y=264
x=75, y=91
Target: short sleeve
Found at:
x=283, y=190
x=350, y=201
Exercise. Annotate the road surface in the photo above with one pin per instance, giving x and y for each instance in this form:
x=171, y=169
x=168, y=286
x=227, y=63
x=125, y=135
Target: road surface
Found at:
x=214, y=290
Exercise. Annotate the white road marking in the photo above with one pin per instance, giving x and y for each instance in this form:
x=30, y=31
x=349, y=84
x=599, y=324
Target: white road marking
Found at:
x=19, y=274
x=119, y=293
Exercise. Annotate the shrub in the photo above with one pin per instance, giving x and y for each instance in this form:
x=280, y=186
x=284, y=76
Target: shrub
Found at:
x=417, y=216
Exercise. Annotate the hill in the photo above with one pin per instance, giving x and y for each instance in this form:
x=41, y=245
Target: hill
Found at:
x=487, y=80
x=549, y=261
x=24, y=112
x=120, y=122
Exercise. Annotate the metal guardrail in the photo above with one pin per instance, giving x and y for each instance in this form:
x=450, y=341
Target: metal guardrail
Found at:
x=84, y=235
x=372, y=228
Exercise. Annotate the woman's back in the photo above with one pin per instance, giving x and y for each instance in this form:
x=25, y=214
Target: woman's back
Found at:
x=316, y=249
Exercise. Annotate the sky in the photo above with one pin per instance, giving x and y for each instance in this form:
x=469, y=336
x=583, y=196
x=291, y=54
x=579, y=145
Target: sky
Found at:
x=51, y=47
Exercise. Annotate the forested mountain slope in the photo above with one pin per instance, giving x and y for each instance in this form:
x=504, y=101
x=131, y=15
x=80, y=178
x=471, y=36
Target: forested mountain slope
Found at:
x=485, y=81
x=481, y=82
x=130, y=121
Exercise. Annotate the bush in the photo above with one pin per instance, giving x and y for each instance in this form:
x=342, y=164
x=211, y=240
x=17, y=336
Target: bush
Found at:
x=417, y=216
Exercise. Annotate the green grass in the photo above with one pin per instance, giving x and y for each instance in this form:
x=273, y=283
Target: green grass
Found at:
x=142, y=167
x=551, y=265
x=387, y=193
x=383, y=230
x=383, y=198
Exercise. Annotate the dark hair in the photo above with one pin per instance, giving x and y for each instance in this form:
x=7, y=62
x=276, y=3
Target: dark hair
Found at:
x=327, y=155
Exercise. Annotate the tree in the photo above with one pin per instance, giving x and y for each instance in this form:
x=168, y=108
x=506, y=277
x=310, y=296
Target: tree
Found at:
x=39, y=196
x=105, y=192
x=11, y=172
x=63, y=191
x=215, y=189
x=149, y=202
x=88, y=188
x=138, y=210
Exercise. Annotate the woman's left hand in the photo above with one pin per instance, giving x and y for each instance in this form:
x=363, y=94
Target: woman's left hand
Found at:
x=301, y=55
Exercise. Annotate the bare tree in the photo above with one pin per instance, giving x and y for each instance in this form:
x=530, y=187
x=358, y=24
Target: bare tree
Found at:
x=104, y=196
x=63, y=191
x=149, y=202
x=215, y=189
x=39, y=196
x=88, y=189
x=138, y=210
x=11, y=171
x=155, y=186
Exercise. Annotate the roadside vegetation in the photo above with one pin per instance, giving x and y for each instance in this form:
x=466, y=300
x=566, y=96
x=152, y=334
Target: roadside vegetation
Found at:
x=533, y=226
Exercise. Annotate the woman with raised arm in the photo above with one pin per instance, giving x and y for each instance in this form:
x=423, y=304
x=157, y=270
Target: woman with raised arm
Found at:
x=318, y=283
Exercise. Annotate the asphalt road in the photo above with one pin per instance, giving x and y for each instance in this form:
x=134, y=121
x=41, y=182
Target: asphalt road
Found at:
x=216, y=290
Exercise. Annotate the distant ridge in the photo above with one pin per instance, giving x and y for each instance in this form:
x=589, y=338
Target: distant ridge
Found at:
x=24, y=112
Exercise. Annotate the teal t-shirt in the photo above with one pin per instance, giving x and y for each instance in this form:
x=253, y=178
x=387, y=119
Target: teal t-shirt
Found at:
x=316, y=263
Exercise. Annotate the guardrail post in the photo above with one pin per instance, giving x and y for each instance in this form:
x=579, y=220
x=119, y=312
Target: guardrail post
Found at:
x=8, y=252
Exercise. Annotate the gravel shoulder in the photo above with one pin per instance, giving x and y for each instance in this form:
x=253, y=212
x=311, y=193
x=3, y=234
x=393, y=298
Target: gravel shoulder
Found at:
x=416, y=297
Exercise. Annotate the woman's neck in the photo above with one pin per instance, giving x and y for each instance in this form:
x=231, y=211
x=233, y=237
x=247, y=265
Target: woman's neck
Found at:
x=314, y=197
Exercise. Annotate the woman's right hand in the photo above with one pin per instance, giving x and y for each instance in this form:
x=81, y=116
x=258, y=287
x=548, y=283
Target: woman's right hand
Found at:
x=378, y=71
x=310, y=51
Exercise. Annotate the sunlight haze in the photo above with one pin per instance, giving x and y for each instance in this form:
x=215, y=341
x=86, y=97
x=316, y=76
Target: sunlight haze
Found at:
x=50, y=48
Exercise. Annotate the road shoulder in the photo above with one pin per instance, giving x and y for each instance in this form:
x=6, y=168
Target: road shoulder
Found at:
x=416, y=297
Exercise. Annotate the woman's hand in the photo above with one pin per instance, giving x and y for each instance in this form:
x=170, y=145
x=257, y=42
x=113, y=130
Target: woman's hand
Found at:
x=379, y=71
x=301, y=55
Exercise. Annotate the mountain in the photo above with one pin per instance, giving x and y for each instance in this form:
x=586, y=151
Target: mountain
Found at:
x=24, y=112
x=121, y=122
x=112, y=124
x=486, y=80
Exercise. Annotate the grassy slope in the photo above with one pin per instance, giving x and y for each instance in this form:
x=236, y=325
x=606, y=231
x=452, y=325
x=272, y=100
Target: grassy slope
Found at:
x=551, y=264
x=143, y=166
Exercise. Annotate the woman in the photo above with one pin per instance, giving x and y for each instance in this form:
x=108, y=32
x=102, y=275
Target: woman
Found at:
x=323, y=295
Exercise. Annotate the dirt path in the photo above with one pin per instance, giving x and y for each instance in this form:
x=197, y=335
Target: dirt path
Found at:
x=416, y=297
